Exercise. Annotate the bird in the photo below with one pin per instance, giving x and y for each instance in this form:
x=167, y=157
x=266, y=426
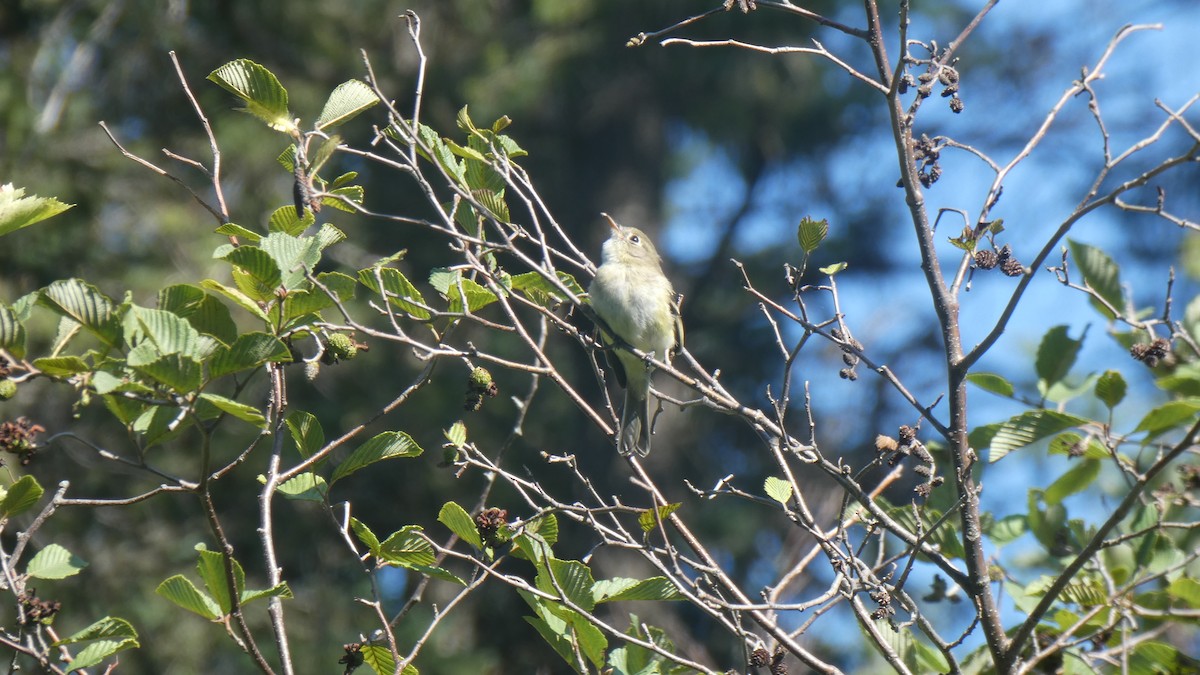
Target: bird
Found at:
x=637, y=304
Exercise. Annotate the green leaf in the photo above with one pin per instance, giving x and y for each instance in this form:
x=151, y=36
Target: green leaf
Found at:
x=306, y=432
x=833, y=269
x=18, y=211
x=1101, y=274
x=86, y=305
x=348, y=100
x=365, y=535
x=654, y=588
x=460, y=523
x=1067, y=443
x=20, y=496
x=339, y=197
x=285, y=220
x=397, y=288
x=239, y=298
x=647, y=519
x=457, y=434
x=181, y=591
x=1007, y=529
x=1055, y=356
x=407, y=547
x=293, y=256
x=244, y=235
x=12, y=333
x=159, y=424
x=538, y=289
x=571, y=578
x=243, y=412
x=545, y=527
x=452, y=285
x=778, y=489
x=811, y=233
x=1078, y=478
x=61, y=366
x=1186, y=590
x=305, y=487
x=166, y=333
x=1110, y=388
x=992, y=383
x=1024, y=429
x=255, y=272
x=54, y=562
x=278, y=591
x=179, y=372
x=249, y=350
x=211, y=566
x=265, y=97
x=205, y=313
x=387, y=445
x=105, y=637
x=1168, y=416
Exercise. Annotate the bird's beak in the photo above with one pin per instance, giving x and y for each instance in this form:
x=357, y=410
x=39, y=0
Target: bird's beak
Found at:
x=611, y=223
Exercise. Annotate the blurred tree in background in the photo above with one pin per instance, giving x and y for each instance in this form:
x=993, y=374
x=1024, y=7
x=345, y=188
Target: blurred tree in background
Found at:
x=717, y=153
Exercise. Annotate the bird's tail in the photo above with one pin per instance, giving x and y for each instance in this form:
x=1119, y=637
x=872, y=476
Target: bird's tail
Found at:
x=635, y=425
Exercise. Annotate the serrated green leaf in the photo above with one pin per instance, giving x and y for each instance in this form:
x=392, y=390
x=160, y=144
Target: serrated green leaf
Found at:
x=21, y=496
x=535, y=287
x=181, y=591
x=61, y=366
x=407, y=547
x=54, y=562
x=992, y=383
x=1055, y=356
x=387, y=445
x=1067, y=443
x=654, y=588
x=18, y=211
x=264, y=96
x=349, y=99
x=243, y=412
x=211, y=566
x=279, y=591
x=399, y=291
x=293, y=256
x=1168, y=416
x=1029, y=427
x=778, y=489
x=106, y=637
x=285, y=221
x=1110, y=388
x=179, y=372
x=344, y=198
x=12, y=333
x=305, y=487
x=460, y=523
x=571, y=578
x=306, y=432
x=87, y=306
x=647, y=519
x=365, y=535
x=249, y=350
x=811, y=233
x=243, y=235
x=1101, y=274
x=239, y=298
x=453, y=286
x=255, y=272
x=457, y=434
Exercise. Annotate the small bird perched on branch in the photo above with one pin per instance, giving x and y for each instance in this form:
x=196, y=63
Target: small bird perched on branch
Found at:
x=635, y=300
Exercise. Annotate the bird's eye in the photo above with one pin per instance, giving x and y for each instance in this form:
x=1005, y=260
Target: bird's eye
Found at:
x=635, y=239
